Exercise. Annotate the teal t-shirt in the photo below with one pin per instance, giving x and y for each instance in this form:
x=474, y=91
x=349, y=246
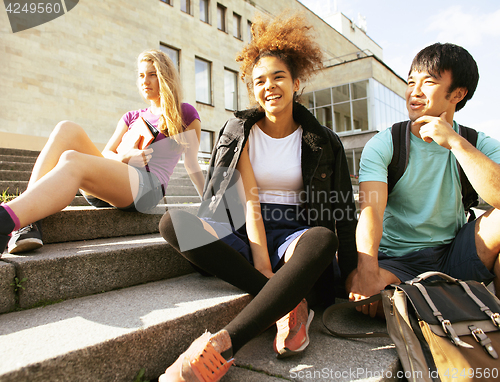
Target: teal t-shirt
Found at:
x=425, y=206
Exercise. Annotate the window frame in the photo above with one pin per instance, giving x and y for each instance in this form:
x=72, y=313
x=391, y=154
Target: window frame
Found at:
x=235, y=96
x=221, y=13
x=165, y=48
x=237, y=27
x=188, y=7
x=207, y=11
x=209, y=82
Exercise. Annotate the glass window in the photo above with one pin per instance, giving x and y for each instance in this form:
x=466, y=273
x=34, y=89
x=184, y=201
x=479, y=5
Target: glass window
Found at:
x=360, y=114
x=343, y=121
x=204, y=10
x=307, y=100
x=324, y=116
x=341, y=93
x=206, y=141
x=237, y=26
x=221, y=17
x=323, y=97
x=203, y=80
x=172, y=53
x=359, y=89
x=231, y=89
x=186, y=6
x=249, y=30
x=169, y=2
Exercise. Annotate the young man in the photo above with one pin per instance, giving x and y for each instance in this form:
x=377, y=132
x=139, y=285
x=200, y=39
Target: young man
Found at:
x=421, y=225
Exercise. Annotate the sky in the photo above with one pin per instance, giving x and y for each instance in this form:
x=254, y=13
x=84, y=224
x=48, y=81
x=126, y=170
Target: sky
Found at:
x=402, y=28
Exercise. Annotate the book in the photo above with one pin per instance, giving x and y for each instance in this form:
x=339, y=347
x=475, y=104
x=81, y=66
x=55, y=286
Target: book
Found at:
x=141, y=130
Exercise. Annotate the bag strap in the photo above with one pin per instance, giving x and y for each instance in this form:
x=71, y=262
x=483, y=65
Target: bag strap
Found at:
x=351, y=304
x=426, y=275
x=446, y=324
x=495, y=317
x=469, y=195
x=400, y=132
x=401, y=152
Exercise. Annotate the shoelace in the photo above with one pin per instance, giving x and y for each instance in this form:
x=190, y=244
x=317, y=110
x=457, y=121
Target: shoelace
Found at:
x=26, y=229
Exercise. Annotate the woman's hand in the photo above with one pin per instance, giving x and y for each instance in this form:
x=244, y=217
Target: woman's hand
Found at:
x=137, y=157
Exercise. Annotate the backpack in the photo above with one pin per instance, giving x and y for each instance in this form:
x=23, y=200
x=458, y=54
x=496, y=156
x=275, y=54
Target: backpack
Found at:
x=401, y=143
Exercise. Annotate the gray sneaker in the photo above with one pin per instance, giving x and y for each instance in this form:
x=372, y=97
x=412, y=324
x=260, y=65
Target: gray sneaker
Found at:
x=26, y=239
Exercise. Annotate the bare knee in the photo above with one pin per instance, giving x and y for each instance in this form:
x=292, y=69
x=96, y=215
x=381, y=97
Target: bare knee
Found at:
x=71, y=159
x=67, y=130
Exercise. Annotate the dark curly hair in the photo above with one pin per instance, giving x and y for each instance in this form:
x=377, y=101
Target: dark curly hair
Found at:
x=288, y=38
x=437, y=58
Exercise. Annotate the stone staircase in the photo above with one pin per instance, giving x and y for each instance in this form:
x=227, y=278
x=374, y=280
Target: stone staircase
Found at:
x=107, y=299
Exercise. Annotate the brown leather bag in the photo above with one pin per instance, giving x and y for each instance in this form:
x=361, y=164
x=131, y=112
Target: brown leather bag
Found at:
x=444, y=330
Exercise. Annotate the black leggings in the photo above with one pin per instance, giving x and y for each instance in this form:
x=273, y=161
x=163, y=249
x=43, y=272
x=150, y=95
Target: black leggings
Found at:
x=274, y=297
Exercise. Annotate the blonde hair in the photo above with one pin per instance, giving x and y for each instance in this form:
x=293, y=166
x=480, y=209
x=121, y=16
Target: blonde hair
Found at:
x=170, y=122
x=287, y=37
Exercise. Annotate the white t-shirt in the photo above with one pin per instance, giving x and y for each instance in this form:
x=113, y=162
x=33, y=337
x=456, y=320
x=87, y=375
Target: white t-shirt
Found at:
x=276, y=163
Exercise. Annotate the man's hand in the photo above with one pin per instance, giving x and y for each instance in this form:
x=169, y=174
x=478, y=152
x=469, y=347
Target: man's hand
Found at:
x=436, y=129
x=366, y=284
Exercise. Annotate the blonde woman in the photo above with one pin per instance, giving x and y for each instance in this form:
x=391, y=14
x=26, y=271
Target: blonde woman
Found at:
x=130, y=179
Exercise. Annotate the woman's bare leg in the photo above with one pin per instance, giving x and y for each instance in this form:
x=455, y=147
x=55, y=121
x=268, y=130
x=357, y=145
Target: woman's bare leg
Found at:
x=109, y=180
x=65, y=136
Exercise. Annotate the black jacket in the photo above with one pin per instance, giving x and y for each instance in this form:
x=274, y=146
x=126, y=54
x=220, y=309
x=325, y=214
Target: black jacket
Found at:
x=325, y=174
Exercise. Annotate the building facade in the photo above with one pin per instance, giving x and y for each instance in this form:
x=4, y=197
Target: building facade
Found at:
x=82, y=67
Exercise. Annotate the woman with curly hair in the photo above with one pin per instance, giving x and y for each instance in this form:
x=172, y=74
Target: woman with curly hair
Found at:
x=299, y=205
x=131, y=178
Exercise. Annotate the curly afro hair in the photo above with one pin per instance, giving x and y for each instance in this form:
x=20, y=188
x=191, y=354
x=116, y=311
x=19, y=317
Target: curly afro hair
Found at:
x=287, y=37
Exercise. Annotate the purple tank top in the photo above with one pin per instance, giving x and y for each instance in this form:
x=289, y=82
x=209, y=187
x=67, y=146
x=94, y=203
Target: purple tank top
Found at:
x=166, y=152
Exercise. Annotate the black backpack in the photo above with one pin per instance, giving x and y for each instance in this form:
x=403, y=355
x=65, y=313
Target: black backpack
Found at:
x=401, y=144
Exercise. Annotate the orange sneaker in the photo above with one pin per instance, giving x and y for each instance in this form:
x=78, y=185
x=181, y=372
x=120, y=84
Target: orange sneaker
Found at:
x=293, y=331
x=204, y=360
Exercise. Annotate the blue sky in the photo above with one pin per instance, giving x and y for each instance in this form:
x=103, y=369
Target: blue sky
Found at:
x=402, y=28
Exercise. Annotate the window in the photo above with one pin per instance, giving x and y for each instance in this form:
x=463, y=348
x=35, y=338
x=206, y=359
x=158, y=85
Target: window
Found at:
x=204, y=11
x=172, y=53
x=221, y=17
x=237, y=26
x=206, y=141
x=249, y=30
x=203, y=80
x=231, y=89
x=345, y=108
x=169, y=2
x=186, y=6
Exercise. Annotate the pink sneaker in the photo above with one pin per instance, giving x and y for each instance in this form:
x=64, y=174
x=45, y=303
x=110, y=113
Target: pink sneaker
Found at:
x=293, y=331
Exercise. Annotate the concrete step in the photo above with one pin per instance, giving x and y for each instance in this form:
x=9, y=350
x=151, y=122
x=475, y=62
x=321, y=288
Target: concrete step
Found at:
x=173, y=189
x=13, y=175
x=111, y=336
x=13, y=187
x=87, y=223
x=18, y=152
x=16, y=166
x=172, y=199
x=327, y=358
x=18, y=158
x=68, y=270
